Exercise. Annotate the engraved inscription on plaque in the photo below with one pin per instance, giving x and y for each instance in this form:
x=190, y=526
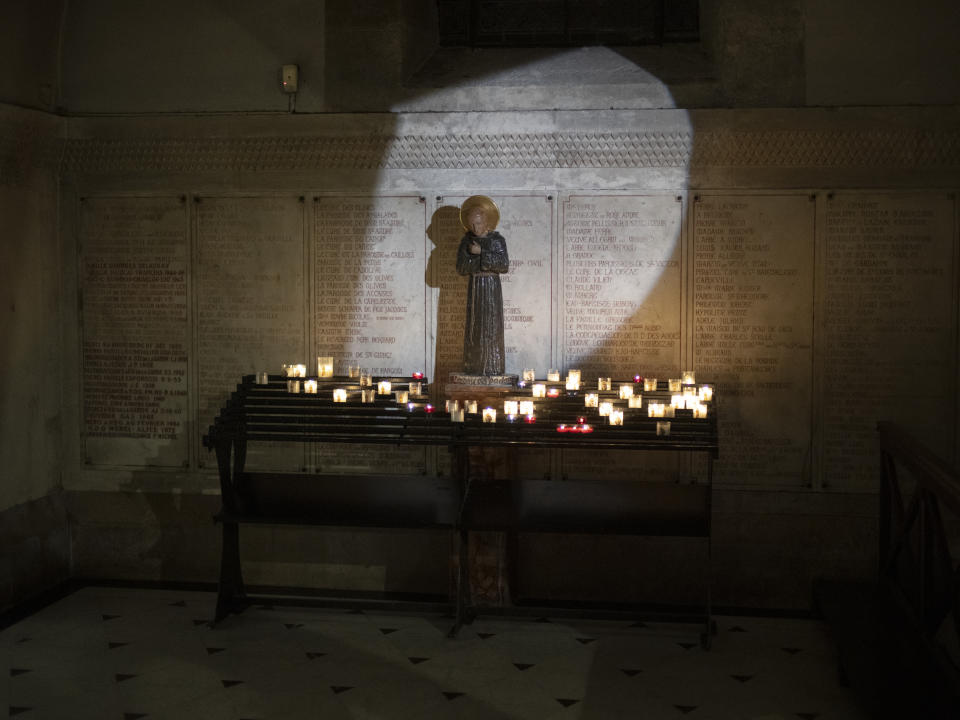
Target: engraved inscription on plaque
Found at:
x=370, y=305
x=753, y=330
x=621, y=284
x=889, y=325
x=250, y=303
x=134, y=313
x=621, y=303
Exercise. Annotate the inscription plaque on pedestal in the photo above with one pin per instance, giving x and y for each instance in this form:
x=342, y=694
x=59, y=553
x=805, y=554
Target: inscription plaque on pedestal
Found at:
x=250, y=303
x=753, y=330
x=622, y=304
x=889, y=328
x=134, y=340
x=370, y=305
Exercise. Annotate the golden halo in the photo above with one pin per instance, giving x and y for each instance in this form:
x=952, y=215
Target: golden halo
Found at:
x=481, y=201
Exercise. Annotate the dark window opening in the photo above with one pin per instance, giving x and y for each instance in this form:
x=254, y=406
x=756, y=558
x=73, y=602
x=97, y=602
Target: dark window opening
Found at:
x=564, y=23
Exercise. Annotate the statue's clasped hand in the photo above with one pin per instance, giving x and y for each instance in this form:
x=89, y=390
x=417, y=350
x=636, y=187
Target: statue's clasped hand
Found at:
x=474, y=248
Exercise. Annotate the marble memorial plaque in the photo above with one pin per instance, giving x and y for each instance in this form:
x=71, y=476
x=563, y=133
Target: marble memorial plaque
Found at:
x=889, y=328
x=370, y=306
x=135, y=334
x=621, y=284
x=753, y=331
x=250, y=305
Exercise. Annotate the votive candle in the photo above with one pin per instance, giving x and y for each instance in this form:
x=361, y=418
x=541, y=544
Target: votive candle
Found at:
x=626, y=391
x=489, y=415
x=383, y=387
x=340, y=395
x=539, y=390
x=649, y=384
x=310, y=387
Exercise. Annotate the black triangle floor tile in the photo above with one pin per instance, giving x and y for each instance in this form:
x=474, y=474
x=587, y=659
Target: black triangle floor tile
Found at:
x=687, y=646
x=686, y=709
x=231, y=683
x=387, y=631
x=585, y=641
x=452, y=695
x=808, y=716
x=214, y=651
x=630, y=672
x=115, y=645
x=337, y=689
x=791, y=650
x=19, y=671
x=315, y=655
x=109, y=617
x=742, y=678
x=523, y=666
x=17, y=709
x=736, y=628
x=120, y=677
x=133, y=715
x=485, y=636
x=567, y=702
x=417, y=660
x=179, y=603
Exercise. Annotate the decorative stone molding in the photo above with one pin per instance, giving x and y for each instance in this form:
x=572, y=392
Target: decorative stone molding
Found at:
x=908, y=148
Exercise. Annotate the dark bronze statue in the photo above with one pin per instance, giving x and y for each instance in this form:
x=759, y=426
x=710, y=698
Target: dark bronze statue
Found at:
x=483, y=256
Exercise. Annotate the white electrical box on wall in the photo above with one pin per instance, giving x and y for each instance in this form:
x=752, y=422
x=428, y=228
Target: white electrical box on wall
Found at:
x=289, y=77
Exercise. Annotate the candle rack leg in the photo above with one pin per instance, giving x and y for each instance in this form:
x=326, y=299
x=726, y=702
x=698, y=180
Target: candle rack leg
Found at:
x=231, y=595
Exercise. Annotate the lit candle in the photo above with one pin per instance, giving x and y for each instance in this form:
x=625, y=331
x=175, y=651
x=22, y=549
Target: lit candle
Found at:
x=573, y=383
x=383, y=387
x=603, y=383
x=340, y=395
x=526, y=407
x=452, y=405
x=428, y=409
x=353, y=371
x=635, y=401
x=591, y=400
x=663, y=427
x=368, y=395
x=689, y=391
x=553, y=392
x=553, y=375
x=677, y=401
x=418, y=375
x=293, y=386
x=637, y=378
x=700, y=411
x=263, y=378
x=706, y=393
x=574, y=375
x=489, y=415
x=649, y=384
x=673, y=385
x=416, y=388
x=310, y=387
x=688, y=377
x=456, y=415
x=616, y=417
x=324, y=366
x=410, y=407
x=669, y=411
x=289, y=370
x=655, y=409
x=470, y=406
x=539, y=390
x=402, y=396
x=626, y=391
x=365, y=379
x=529, y=374
x=530, y=419
x=605, y=408
x=510, y=407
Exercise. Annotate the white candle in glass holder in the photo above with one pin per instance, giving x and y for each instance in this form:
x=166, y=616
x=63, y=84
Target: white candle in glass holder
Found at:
x=573, y=384
x=688, y=377
x=706, y=393
x=605, y=408
x=539, y=390
x=452, y=405
x=263, y=378
x=669, y=411
x=293, y=386
x=655, y=409
x=368, y=395
x=553, y=375
x=353, y=371
x=340, y=395
x=403, y=396
x=383, y=387
x=416, y=388
x=677, y=400
x=529, y=374
x=626, y=391
x=289, y=370
x=616, y=417
x=510, y=407
x=456, y=415
x=603, y=383
x=663, y=427
x=365, y=379
x=526, y=407
x=470, y=406
x=649, y=384
x=689, y=391
x=591, y=400
x=310, y=387
x=674, y=385
x=573, y=375
x=324, y=366
x=635, y=401
x=489, y=415
x=700, y=411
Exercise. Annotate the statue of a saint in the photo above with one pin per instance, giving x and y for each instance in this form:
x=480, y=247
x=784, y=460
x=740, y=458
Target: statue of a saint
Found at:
x=483, y=256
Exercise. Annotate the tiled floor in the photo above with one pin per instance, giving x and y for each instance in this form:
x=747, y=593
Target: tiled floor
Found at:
x=120, y=653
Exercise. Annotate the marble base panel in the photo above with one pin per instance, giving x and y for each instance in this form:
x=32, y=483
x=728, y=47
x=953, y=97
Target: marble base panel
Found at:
x=35, y=544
